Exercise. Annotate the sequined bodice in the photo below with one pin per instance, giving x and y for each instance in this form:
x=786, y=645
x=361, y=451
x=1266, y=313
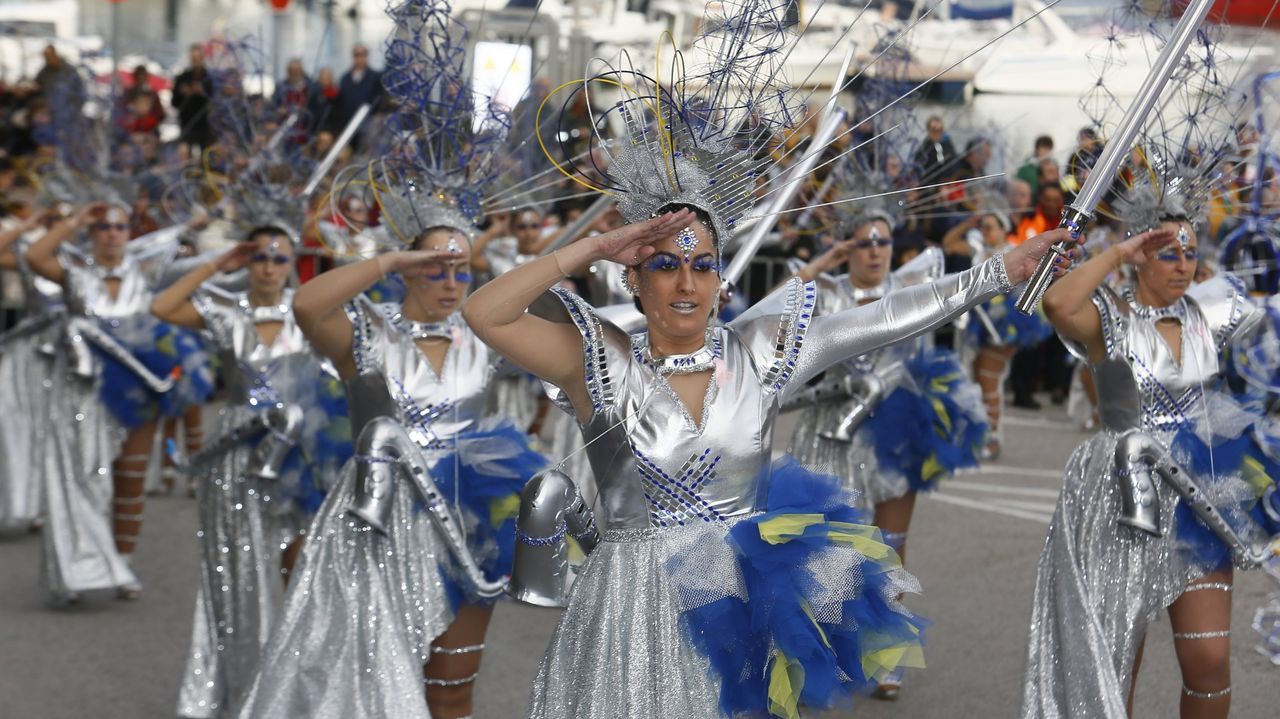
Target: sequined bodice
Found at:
x=86, y=293
x=433, y=406
x=1171, y=393
x=658, y=466
x=255, y=372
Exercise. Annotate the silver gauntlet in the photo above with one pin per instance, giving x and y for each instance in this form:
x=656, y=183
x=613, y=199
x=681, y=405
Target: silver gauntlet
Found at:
x=550, y=508
x=383, y=452
x=1139, y=458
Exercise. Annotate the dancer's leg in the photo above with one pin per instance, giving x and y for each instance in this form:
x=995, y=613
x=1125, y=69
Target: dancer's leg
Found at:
x=1201, y=620
x=455, y=663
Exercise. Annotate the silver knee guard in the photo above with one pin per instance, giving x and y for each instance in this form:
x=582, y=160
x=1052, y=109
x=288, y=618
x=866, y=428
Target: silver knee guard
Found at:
x=1139, y=459
x=383, y=451
x=550, y=508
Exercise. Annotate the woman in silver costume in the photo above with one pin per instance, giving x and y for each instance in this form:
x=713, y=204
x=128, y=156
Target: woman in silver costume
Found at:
x=678, y=423
x=252, y=506
x=1119, y=549
x=25, y=382
x=995, y=331
x=106, y=406
x=422, y=618
x=919, y=418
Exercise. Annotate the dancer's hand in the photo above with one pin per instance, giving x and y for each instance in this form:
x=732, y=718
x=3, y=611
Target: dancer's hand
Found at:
x=236, y=258
x=412, y=263
x=1020, y=262
x=88, y=214
x=631, y=244
x=1141, y=247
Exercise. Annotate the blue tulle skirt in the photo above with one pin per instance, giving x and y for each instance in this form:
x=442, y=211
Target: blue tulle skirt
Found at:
x=325, y=445
x=167, y=351
x=483, y=477
x=816, y=619
x=929, y=431
x=1014, y=328
x=1239, y=474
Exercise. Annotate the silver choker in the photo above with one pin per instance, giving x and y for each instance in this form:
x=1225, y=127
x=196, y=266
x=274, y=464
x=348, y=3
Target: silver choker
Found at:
x=425, y=330
x=700, y=360
x=1176, y=311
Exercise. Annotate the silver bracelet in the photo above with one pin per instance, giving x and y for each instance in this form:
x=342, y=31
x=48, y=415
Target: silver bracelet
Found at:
x=1001, y=274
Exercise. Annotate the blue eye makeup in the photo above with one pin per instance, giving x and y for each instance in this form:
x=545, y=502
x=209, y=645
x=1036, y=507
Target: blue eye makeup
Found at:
x=705, y=263
x=662, y=263
x=459, y=275
x=1191, y=254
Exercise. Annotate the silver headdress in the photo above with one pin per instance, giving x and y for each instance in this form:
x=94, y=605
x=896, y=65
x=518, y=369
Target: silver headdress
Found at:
x=444, y=143
x=1179, y=153
x=696, y=135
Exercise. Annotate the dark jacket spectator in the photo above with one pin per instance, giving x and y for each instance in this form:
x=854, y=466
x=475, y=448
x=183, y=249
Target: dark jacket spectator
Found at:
x=191, y=92
x=936, y=156
x=361, y=84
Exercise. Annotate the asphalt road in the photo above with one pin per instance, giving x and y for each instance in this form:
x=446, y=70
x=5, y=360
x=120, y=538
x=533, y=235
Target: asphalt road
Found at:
x=974, y=547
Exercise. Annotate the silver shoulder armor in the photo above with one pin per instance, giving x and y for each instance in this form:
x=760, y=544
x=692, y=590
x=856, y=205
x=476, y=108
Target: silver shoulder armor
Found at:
x=1225, y=306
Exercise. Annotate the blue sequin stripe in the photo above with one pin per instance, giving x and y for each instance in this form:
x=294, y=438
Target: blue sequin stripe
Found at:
x=361, y=332
x=1161, y=397
x=667, y=495
x=1237, y=314
x=595, y=365
x=792, y=327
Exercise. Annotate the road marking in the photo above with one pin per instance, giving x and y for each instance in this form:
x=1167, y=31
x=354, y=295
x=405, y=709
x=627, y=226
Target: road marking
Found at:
x=1001, y=489
x=1033, y=421
x=1040, y=517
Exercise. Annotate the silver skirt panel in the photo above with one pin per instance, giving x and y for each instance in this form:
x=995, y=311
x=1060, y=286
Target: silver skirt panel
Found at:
x=619, y=651
x=25, y=388
x=241, y=537
x=1099, y=586
x=358, y=619
x=79, y=546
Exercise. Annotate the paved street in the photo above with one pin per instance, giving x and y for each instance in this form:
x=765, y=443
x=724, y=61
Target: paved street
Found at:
x=974, y=547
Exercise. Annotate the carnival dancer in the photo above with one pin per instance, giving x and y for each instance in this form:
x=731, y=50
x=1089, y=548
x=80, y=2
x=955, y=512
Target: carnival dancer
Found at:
x=1122, y=545
x=118, y=371
x=905, y=416
x=722, y=584
x=995, y=331
x=401, y=594
x=25, y=381
x=281, y=432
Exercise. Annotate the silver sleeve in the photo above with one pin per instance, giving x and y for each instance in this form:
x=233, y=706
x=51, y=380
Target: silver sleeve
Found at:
x=898, y=316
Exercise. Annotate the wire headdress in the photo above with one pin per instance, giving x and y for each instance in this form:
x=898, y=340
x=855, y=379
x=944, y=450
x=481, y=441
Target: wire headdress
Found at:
x=697, y=131
x=444, y=147
x=1180, y=151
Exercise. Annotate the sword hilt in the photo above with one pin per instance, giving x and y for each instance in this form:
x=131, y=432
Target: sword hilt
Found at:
x=1075, y=221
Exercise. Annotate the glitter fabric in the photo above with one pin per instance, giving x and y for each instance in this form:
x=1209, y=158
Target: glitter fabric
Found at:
x=619, y=649
x=1101, y=584
x=360, y=616
x=244, y=521
x=25, y=387
x=358, y=620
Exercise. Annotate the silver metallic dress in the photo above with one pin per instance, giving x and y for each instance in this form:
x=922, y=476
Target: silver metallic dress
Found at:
x=672, y=486
x=1100, y=584
x=245, y=521
x=363, y=607
x=80, y=551
x=858, y=461
x=26, y=385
